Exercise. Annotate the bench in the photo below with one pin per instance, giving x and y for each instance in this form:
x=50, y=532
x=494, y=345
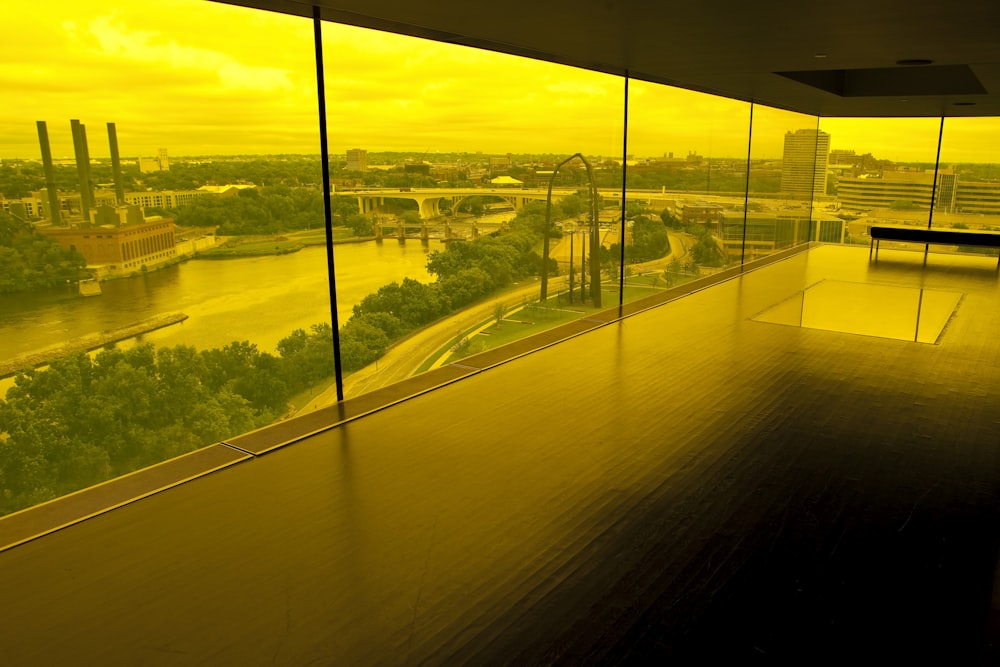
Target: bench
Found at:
x=927, y=236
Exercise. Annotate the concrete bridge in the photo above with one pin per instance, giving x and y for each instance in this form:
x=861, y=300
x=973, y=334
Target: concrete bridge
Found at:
x=429, y=199
x=447, y=231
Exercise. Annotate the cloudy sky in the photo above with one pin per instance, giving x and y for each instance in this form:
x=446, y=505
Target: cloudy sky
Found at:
x=202, y=78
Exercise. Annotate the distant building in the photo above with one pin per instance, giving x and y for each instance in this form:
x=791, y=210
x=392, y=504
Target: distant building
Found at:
x=116, y=216
x=803, y=164
x=227, y=190
x=417, y=168
x=34, y=207
x=501, y=165
x=162, y=198
x=506, y=182
x=977, y=197
x=119, y=248
x=702, y=213
x=159, y=163
x=898, y=189
x=357, y=160
x=766, y=232
x=847, y=161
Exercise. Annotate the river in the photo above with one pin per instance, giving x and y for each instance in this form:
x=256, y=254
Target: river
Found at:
x=260, y=299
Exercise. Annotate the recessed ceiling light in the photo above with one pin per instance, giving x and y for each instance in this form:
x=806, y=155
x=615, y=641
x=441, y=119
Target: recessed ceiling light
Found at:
x=909, y=62
x=820, y=55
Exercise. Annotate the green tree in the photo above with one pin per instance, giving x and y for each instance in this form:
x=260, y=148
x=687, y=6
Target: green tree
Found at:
x=30, y=261
x=649, y=239
x=670, y=220
x=360, y=225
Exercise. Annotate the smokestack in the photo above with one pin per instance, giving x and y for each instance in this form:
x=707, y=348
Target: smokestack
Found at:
x=79, y=141
x=50, y=181
x=86, y=164
x=82, y=166
x=116, y=165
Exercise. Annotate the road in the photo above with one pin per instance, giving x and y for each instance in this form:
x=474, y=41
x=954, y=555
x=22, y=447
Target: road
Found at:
x=404, y=358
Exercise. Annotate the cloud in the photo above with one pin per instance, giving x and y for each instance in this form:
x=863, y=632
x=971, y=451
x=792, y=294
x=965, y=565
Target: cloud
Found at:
x=205, y=77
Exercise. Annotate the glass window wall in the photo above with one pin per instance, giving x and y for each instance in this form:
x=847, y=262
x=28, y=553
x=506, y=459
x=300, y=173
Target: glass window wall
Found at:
x=162, y=264
x=687, y=175
x=880, y=172
x=163, y=259
x=443, y=158
x=786, y=180
x=968, y=195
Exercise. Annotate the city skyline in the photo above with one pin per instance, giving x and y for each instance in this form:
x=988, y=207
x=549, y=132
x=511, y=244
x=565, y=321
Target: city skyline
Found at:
x=192, y=81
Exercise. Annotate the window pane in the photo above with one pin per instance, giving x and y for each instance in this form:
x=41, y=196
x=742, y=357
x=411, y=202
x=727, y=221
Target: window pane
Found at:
x=787, y=155
x=881, y=173
x=154, y=297
x=969, y=180
x=687, y=175
x=442, y=156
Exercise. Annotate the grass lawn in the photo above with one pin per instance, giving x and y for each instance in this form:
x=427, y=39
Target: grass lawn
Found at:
x=523, y=321
x=253, y=248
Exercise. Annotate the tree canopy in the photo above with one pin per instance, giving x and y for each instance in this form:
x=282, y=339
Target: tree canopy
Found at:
x=29, y=260
x=87, y=418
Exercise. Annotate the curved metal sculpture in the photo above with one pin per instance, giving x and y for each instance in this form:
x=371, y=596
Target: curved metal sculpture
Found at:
x=595, y=237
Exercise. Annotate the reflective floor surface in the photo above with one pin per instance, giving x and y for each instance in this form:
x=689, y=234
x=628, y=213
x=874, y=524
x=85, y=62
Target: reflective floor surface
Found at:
x=688, y=483
x=868, y=309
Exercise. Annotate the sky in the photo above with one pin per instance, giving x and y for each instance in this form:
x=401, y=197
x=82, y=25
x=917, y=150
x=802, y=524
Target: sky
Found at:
x=204, y=78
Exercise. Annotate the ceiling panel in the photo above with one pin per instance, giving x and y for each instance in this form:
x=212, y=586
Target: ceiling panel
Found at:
x=724, y=47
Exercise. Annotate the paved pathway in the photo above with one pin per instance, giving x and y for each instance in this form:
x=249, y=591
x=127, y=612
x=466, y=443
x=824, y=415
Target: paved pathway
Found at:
x=404, y=358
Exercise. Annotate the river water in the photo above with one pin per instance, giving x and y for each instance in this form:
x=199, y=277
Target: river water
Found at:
x=259, y=299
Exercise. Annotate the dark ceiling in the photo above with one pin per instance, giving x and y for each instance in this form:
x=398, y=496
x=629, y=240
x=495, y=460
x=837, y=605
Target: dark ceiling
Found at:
x=829, y=59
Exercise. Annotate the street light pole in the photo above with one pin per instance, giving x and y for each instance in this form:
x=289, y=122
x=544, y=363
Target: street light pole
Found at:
x=572, y=233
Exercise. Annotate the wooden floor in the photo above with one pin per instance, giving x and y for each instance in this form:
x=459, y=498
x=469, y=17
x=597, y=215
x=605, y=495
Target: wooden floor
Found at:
x=688, y=483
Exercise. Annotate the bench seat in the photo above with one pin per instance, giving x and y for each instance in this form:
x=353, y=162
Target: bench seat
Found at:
x=939, y=236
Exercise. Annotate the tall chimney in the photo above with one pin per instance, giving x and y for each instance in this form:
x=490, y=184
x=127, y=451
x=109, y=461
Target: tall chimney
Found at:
x=116, y=165
x=50, y=181
x=86, y=164
x=82, y=166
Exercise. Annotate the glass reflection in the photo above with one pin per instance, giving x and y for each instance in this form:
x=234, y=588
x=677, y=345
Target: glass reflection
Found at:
x=971, y=199
x=443, y=160
x=882, y=173
x=786, y=187
x=886, y=311
x=160, y=284
x=687, y=174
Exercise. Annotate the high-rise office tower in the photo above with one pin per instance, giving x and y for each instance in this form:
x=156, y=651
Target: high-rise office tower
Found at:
x=803, y=165
x=357, y=160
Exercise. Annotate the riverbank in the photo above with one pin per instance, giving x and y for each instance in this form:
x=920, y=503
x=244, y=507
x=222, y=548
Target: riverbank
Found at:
x=418, y=351
x=87, y=343
x=261, y=246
